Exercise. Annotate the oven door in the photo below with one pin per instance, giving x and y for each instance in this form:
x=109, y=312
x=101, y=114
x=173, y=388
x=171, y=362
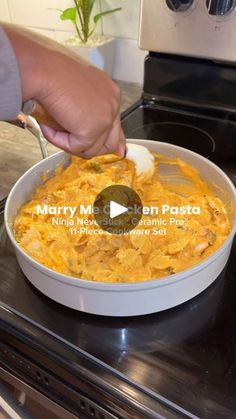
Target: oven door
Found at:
x=20, y=400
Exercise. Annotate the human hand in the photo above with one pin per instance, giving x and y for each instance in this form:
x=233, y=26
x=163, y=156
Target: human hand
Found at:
x=81, y=98
x=87, y=105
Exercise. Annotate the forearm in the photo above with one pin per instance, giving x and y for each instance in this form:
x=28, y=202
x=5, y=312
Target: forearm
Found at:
x=80, y=98
x=37, y=58
x=30, y=51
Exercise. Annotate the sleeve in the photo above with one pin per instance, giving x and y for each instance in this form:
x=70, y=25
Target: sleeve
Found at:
x=10, y=83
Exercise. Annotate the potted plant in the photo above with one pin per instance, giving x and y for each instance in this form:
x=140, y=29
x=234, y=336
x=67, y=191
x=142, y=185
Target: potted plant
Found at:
x=95, y=48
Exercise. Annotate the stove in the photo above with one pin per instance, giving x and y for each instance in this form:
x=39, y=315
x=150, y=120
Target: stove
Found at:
x=179, y=363
x=174, y=364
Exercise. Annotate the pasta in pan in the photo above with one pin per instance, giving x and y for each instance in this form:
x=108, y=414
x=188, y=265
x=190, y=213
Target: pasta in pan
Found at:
x=168, y=243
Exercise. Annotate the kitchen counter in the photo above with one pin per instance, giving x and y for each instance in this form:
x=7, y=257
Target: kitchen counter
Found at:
x=19, y=149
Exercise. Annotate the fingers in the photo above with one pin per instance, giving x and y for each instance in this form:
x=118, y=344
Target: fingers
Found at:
x=116, y=138
x=63, y=140
x=59, y=139
x=114, y=142
x=96, y=149
x=121, y=145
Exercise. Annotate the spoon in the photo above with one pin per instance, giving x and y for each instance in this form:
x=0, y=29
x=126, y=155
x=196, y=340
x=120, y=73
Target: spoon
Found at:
x=140, y=155
x=142, y=158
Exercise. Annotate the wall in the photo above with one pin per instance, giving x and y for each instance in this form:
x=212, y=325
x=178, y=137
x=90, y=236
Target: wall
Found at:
x=123, y=25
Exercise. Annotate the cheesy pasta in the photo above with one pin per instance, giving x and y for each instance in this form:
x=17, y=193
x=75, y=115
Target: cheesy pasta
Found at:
x=131, y=257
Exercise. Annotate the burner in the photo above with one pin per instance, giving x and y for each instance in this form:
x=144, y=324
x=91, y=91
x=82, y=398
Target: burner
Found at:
x=183, y=135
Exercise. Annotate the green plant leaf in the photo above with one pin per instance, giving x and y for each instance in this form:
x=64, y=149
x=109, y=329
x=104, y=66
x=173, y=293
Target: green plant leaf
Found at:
x=69, y=14
x=91, y=4
x=100, y=15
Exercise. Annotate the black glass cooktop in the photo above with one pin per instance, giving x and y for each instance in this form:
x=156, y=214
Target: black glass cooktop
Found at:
x=187, y=354
x=208, y=135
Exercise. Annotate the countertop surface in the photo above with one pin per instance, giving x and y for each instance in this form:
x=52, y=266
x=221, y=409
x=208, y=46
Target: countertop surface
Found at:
x=19, y=149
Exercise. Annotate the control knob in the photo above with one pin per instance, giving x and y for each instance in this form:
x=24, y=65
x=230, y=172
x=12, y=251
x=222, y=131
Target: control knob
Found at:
x=179, y=5
x=220, y=7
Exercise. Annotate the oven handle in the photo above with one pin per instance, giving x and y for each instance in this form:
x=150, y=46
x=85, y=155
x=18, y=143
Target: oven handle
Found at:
x=10, y=407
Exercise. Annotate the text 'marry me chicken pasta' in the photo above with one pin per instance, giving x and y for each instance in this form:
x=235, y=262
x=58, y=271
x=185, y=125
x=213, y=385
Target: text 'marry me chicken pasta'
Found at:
x=184, y=223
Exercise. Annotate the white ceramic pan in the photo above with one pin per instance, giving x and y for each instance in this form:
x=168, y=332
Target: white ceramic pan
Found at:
x=124, y=299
